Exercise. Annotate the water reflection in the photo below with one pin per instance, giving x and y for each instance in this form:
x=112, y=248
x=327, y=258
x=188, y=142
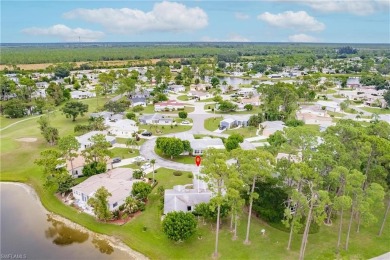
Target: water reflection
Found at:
x=63, y=235
x=103, y=246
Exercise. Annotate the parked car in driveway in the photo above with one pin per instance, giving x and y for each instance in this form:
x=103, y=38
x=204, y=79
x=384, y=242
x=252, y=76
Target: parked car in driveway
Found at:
x=116, y=160
x=139, y=159
x=147, y=133
x=146, y=166
x=222, y=127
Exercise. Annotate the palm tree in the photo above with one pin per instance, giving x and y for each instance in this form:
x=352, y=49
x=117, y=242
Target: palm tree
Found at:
x=153, y=162
x=129, y=144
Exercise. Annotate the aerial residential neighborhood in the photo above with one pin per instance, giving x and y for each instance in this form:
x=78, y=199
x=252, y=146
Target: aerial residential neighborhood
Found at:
x=195, y=130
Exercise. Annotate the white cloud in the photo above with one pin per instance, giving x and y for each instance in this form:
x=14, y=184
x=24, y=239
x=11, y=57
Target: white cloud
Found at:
x=357, y=7
x=65, y=33
x=299, y=21
x=241, y=16
x=231, y=38
x=165, y=16
x=302, y=38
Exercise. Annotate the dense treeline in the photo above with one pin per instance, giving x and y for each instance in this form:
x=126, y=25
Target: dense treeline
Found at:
x=106, y=52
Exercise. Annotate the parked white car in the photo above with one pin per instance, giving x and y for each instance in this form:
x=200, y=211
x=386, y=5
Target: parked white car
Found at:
x=146, y=166
x=139, y=159
x=185, y=122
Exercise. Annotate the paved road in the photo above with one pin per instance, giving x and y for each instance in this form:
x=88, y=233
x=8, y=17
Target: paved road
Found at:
x=199, y=115
x=147, y=151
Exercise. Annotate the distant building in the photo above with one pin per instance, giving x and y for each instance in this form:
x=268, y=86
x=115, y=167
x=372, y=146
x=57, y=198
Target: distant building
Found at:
x=81, y=94
x=155, y=119
x=169, y=105
x=353, y=82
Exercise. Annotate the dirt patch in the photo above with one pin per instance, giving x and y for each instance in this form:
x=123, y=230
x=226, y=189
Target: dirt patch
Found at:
x=27, y=139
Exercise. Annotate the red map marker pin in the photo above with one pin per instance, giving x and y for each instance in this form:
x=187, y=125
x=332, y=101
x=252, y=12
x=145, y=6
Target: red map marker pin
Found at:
x=198, y=160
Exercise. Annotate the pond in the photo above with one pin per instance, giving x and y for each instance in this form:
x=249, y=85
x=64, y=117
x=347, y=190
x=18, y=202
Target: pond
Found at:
x=28, y=232
x=231, y=80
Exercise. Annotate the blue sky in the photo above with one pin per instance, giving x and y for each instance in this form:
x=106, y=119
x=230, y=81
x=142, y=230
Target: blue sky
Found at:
x=352, y=21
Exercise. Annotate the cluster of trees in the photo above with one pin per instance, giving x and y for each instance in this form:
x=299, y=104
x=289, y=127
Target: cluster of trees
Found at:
x=172, y=146
x=343, y=177
x=133, y=203
x=73, y=109
x=54, y=160
x=19, y=100
x=280, y=101
x=376, y=80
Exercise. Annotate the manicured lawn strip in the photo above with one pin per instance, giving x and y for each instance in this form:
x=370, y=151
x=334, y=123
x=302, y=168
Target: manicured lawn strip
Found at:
x=124, y=153
x=149, y=109
x=212, y=123
x=183, y=98
x=208, y=108
x=120, y=140
x=336, y=114
x=376, y=110
x=187, y=159
x=166, y=129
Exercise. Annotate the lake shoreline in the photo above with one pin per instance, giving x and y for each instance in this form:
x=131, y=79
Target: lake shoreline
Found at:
x=113, y=241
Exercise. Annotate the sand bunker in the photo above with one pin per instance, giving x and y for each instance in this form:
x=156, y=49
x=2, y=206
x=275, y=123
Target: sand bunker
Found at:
x=27, y=139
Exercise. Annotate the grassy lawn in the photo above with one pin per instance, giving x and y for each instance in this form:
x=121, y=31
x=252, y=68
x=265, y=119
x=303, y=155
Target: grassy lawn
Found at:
x=338, y=96
x=212, y=123
x=186, y=159
x=376, y=110
x=120, y=140
x=206, y=100
x=336, y=114
x=183, y=98
x=149, y=109
x=254, y=111
x=124, y=153
x=166, y=129
x=351, y=111
x=328, y=91
x=153, y=242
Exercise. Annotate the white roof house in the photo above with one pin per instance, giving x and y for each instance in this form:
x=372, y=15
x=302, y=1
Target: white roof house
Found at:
x=122, y=128
x=246, y=92
x=270, y=127
x=177, y=88
x=200, y=145
x=118, y=182
x=81, y=94
x=85, y=141
x=156, y=119
x=168, y=105
x=235, y=120
x=186, y=197
x=329, y=105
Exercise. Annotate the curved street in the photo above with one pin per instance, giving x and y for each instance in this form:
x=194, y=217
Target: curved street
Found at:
x=198, y=117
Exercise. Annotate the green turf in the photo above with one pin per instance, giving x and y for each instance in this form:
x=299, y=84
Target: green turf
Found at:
x=124, y=153
x=376, y=110
x=17, y=165
x=212, y=123
x=187, y=159
x=183, y=98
